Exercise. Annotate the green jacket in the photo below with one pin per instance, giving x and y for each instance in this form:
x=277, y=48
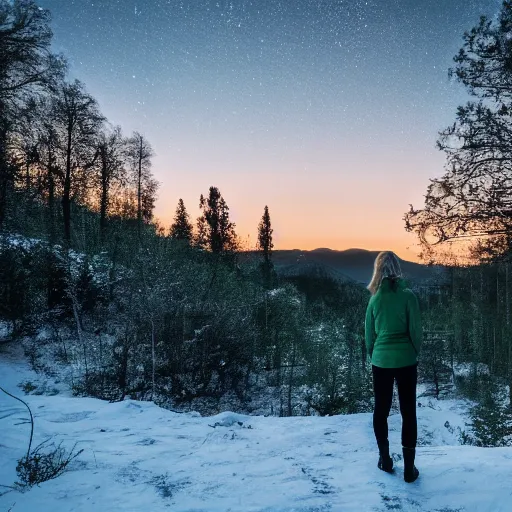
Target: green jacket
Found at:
x=393, y=326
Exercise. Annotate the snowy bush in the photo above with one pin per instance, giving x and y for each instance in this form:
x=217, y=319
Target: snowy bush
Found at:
x=40, y=466
x=491, y=417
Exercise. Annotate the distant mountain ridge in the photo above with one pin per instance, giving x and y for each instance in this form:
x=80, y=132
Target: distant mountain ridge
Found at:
x=348, y=265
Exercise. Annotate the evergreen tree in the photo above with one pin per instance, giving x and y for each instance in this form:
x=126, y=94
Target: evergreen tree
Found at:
x=201, y=235
x=265, y=245
x=181, y=229
x=228, y=237
x=265, y=232
x=218, y=232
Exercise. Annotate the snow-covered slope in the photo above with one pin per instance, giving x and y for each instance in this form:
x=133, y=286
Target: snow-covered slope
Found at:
x=139, y=457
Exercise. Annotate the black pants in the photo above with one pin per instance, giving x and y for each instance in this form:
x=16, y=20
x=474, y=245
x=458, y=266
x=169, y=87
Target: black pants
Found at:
x=383, y=381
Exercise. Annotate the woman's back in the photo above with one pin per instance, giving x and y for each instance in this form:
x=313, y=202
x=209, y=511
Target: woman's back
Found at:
x=393, y=325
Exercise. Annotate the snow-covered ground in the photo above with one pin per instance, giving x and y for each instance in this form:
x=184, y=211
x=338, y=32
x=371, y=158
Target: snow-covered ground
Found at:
x=139, y=457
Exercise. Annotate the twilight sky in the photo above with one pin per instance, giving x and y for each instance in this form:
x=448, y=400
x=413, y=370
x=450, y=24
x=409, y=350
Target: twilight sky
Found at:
x=326, y=110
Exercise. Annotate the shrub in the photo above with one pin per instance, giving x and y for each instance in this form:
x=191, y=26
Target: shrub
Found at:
x=40, y=466
x=27, y=387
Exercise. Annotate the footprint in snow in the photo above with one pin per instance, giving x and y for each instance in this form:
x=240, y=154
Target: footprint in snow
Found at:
x=71, y=417
x=391, y=502
x=146, y=442
x=397, y=503
x=132, y=474
x=320, y=484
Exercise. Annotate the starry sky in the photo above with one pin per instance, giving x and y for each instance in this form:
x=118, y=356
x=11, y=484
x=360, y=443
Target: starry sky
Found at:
x=327, y=111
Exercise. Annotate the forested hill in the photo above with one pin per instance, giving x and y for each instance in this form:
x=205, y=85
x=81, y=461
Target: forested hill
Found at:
x=349, y=265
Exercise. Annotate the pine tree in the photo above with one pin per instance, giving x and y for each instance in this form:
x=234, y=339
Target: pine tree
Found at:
x=181, y=229
x=265, y=245
x=201, y=235
x=228, y=236
x=265, y=232
x=215, y=231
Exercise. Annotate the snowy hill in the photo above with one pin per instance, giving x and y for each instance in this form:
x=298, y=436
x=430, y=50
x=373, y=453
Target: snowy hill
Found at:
x=139, y=457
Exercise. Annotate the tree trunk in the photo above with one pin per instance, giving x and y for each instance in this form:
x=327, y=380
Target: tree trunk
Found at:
x=474, y=321
x=66, y=195
x=104, y=197
x=363, y=354
x=510, y=371
x=113, y=268
x=27, y=175
x=436, y=378
x=4, y=175
x=3, y=195
x=102, y=366
x=483, y=341
x=81, y=340
x=277, y=356
x=139, y=193
x=153, y=358
x=506, y=330
x=51, y=195
x=123, y=371
x=452, y=349
x=290, y=383
x=493, y=364
x=497, y=316
x=509, y=359
x=350, y=368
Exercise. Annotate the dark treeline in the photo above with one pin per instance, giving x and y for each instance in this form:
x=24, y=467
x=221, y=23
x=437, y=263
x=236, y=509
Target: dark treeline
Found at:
x=59, y=156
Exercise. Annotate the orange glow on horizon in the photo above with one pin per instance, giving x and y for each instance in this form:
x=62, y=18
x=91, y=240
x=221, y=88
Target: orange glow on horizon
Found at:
x=405, y=245
x=338, y=201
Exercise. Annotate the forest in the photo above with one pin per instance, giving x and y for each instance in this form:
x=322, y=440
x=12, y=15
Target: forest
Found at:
x=184, y=315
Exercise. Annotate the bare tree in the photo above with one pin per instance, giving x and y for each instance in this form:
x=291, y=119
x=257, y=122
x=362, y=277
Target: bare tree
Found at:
x=473, y=200
x=26, y=66
x=139, y=153
x=25, y=57
x=111, y=168
x=78, y=121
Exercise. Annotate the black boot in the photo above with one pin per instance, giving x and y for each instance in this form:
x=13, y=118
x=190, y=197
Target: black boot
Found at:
x=385, y=461
x=411, y=473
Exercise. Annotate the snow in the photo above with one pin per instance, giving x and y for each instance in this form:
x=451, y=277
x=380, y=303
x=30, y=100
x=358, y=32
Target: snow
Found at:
x=5, y=331
x=99, y=266
x=20, y=241
x=139, y=457
x=465, y=369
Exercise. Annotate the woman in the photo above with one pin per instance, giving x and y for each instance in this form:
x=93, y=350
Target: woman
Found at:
x=393, y=341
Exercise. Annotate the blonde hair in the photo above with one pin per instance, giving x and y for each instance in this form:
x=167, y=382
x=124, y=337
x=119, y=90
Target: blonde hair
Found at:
x=386, y=264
